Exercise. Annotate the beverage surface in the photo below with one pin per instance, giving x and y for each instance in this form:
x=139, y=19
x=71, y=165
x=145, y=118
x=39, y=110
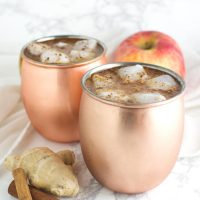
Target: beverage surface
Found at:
x=133, y=85
x=63, y=50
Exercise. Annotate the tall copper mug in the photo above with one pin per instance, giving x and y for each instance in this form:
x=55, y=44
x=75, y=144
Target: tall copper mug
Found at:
x=51, y=93
x=130, y=148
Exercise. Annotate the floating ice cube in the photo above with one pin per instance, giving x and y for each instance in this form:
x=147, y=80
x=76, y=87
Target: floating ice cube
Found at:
x=83, y=49
x=132, y=73
x=63, y=47
x=87, y=55
x=54, y=56
x=36, y=48
x=143, y=98
x=102, y=81
x=92, y=44
x=85, y=45
x=76, y=55
x=61, y=44
x=163, y=82
x=112, y=94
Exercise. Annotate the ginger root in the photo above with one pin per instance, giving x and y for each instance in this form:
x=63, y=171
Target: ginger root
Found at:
x=47, y=170
x=67, y=156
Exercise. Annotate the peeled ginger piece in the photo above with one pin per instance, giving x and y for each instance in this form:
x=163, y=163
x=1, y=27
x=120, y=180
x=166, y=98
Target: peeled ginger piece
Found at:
x=47, y=170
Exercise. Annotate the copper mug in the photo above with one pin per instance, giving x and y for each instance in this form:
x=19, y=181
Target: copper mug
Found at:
x=51, y=93
x=130, y=148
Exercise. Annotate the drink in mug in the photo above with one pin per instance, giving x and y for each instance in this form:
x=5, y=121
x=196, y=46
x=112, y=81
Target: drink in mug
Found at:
x=51, y=70
x=63, y=51
x=131, y=124
x=135, y=84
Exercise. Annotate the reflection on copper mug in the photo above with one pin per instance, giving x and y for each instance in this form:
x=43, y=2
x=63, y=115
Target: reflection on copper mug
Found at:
x=51, y=93
x=130, y=148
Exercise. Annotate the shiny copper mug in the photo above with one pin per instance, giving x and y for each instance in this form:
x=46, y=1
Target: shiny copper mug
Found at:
x=130, y=148
x=51, y=93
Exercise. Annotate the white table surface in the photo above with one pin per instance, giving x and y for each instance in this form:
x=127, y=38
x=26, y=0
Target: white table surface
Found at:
x=110, y=21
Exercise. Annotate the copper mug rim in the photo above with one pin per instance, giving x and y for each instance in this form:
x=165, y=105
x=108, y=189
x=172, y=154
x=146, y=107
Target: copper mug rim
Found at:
x=133, y=106
x=63, y=66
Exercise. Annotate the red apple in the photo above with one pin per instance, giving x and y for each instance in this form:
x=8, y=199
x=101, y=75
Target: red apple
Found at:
x=151, y=47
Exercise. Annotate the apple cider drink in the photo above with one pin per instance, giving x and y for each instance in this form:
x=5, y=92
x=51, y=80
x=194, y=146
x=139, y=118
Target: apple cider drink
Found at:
x=60, y=51
x=133, y=85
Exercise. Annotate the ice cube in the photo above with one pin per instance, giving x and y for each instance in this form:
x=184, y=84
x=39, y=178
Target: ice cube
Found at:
x=87, y=55
x=76, y=55
x=102, y=81
x=85, y=45
x=132, y=73
x=36, y=48
x=61, y=44
x=92, y=44
x=54, y=56
x=143, y=98
x=112, y=94
x=163, y=82
x=64, y=47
